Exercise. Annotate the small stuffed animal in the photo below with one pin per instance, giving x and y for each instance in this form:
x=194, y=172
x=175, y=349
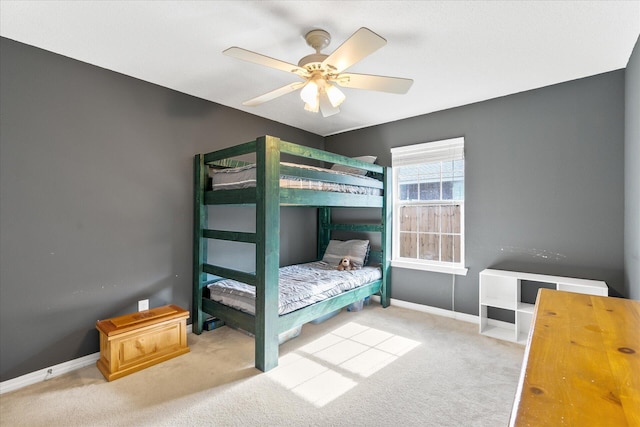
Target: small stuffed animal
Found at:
x=345, y=264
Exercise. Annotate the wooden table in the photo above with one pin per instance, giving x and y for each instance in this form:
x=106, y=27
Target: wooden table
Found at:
x=582, y=363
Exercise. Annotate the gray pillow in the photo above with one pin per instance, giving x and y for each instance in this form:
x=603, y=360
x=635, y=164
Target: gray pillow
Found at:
x=357, y=250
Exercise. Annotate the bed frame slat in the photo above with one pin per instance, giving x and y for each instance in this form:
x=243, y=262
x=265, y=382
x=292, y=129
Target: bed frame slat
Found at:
x=234, y=236
x=229, y=273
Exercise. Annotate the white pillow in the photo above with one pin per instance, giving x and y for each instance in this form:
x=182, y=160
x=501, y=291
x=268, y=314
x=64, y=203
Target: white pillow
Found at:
x=357, y=250
x=355, y=171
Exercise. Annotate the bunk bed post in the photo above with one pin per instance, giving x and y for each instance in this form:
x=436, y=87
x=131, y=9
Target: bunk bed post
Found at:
x=324, y=230
x=267, y=251
x=387, y=221
x=199, y=243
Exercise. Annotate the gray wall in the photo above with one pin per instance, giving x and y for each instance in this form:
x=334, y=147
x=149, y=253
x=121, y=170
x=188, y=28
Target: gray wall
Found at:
x=96, y=200
x=95, y=194
x=632, y=176
x=544, y=185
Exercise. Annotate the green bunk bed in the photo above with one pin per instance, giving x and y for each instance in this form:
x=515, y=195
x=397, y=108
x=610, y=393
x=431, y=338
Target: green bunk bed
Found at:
x=266, y=324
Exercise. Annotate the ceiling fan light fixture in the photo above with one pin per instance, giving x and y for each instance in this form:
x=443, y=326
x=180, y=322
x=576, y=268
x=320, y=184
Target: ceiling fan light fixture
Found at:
x=314, y=107
x=336, y=96
x=309, y=92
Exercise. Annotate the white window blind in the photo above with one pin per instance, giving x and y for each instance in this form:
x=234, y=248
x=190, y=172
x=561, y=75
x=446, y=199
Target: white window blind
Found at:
x=445, y=150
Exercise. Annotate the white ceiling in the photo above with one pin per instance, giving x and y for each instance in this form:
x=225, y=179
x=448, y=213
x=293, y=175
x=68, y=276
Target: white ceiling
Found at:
x=457, y=52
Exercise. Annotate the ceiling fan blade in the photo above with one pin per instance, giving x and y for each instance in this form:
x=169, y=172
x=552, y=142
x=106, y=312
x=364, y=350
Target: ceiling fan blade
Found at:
x=256, y=58
x=273, y=94
x=326, y=107
x=371, y=82
x=362, y=43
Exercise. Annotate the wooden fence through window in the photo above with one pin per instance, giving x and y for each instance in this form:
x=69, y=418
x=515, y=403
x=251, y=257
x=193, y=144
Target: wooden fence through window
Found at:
x=430, y=232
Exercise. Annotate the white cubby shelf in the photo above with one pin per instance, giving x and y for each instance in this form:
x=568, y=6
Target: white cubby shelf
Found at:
x=501, y=289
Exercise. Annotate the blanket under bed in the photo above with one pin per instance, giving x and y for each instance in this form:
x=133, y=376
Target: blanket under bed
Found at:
x=300, y=285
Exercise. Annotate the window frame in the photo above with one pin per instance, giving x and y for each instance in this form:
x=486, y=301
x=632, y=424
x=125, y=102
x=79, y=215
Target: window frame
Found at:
x=429, y=152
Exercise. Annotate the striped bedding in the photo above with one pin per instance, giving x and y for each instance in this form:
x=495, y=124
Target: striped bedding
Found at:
x=300, y=285
x=245, y=177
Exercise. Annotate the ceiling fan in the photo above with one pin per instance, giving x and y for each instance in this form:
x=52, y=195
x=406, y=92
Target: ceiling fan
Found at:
x=319, y=71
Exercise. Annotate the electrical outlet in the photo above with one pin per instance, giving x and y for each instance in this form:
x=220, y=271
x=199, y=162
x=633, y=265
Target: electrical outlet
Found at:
x=143, y=305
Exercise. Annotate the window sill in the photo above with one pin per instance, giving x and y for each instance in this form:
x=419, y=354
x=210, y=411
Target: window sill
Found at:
x=437, y=268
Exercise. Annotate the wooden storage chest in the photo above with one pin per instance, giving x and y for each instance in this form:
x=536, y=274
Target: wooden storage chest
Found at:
x=136, y=341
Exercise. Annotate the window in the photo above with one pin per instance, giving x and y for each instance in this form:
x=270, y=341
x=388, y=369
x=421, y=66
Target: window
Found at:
x=428, y=206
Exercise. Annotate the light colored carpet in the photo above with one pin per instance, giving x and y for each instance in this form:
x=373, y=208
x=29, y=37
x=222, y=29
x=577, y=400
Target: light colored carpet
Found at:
x=375, y=367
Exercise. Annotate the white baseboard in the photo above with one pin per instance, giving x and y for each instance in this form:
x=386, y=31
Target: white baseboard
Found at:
x=48, y=373
x=432, y=310
x=53, y=371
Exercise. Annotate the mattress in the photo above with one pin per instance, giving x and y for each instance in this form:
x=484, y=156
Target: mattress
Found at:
x=245, y=177
x=300, y=285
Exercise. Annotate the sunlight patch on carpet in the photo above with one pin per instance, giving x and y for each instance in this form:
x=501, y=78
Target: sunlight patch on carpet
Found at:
x=341, y=352
x=294, y=370
x=330, y=366
x=324, y=388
